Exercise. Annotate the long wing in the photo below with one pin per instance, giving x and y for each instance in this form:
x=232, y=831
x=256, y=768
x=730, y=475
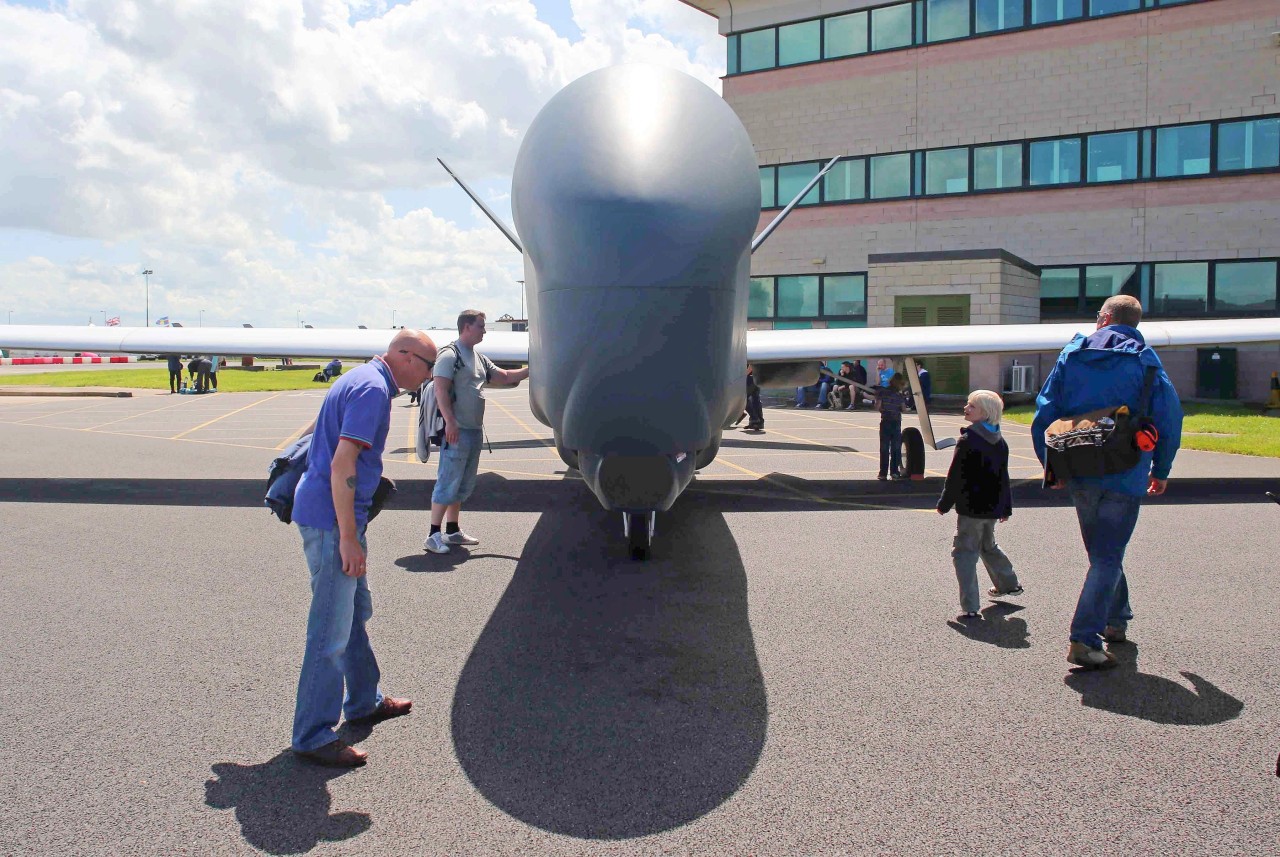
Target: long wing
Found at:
x=255, y=341
x=764, y=346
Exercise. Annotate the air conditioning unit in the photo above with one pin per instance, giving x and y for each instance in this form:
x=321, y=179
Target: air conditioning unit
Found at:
x=1020, y=379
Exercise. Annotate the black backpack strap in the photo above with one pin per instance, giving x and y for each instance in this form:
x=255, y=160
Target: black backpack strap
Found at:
x=1144, y=401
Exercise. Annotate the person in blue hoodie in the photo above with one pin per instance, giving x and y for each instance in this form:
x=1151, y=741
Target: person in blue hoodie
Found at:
x=1107, y=369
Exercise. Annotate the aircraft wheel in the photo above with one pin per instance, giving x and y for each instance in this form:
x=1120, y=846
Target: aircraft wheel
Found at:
x=639, y=531
x=913, y=452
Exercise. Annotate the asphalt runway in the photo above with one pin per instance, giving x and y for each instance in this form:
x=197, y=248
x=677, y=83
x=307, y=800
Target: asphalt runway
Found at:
x=785, y=676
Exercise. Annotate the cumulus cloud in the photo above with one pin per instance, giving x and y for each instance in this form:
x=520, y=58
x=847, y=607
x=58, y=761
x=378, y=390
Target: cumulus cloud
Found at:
x=244, y=149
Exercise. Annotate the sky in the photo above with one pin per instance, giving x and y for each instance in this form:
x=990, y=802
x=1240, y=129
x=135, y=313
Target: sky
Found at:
x=273, y=161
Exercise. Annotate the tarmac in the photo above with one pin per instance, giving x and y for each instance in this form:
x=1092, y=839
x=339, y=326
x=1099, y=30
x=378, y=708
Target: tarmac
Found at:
x=785, y=675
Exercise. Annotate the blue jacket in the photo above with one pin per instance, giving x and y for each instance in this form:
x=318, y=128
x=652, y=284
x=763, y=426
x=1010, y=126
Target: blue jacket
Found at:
x=1106, y=369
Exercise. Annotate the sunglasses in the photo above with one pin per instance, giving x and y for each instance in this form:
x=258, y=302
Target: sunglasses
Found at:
x=430, y=364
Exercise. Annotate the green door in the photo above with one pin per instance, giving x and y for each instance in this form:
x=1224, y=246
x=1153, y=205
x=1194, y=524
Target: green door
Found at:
x=1215, y=373
x=949, y=374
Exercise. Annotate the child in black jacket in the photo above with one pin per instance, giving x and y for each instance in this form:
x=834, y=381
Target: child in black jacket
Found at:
x=978, y=487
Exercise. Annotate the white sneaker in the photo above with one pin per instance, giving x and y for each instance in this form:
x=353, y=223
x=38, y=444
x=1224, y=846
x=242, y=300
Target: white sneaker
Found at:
x=435, y=543
x=460, y=538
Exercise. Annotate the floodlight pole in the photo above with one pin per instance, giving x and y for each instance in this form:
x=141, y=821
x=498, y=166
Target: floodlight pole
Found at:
x=146, y=278
x=521, y=282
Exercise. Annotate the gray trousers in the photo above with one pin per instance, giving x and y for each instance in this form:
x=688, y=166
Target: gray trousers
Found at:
x=976, y=537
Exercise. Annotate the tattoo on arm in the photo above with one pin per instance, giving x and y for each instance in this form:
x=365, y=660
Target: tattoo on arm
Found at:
x=351, y=482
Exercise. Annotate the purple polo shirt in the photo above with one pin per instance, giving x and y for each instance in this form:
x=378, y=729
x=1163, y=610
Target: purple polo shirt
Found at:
x=358, y=408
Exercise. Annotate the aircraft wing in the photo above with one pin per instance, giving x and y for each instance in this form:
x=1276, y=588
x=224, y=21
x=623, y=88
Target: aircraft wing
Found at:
x=228, y=341
x=766, y=346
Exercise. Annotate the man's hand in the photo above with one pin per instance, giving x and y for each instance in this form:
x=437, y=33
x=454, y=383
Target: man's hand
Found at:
x=1156, y=486
x=353, y=557
x=450, y=431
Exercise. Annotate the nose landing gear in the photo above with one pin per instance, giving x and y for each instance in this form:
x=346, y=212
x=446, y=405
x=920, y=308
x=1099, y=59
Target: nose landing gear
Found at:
x=637, y=527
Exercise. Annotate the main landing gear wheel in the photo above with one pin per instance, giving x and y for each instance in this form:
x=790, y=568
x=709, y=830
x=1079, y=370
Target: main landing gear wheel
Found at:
x=913, y=453
x=638, y=528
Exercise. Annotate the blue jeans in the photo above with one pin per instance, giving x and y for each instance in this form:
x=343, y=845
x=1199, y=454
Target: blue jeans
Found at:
x=337, y=648
x=820, y=388
x=1107, y=519
x=890, y=446
x=456, y=473
x=976, y=538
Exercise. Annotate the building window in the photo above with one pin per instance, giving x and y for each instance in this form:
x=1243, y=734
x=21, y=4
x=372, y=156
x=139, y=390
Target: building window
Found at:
x=946, y=171
x=1182, y=150
x=1048, y=11
x=996, y=167
x=768, y=196
x=890, y=176
x=1113, y=157
x=791, y=180
x=1111, y=7
x=1181, y=288
x=845, y=294
x=845, y=35
x=1104, y=281
x=760, y=298
x=731, y=59
x=1055, y=161
x=799, y=43
x=1249, y=145
x=946, y=19
x=1060, y=291
x=846, y=181
x=798, y=296
x=757, y=50
x=1244, y=287
x=891, y=27
x=995, y=15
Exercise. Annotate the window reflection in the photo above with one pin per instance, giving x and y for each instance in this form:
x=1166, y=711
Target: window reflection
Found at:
x=1241, y=287
x=1181, y=288
x=798, y=296
x=844, y=295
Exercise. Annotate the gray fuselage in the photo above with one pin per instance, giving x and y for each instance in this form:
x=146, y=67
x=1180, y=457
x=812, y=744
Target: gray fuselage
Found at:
x=635, y=196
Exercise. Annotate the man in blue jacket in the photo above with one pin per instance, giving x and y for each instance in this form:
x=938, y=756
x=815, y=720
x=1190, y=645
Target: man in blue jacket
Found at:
x=1107, y=369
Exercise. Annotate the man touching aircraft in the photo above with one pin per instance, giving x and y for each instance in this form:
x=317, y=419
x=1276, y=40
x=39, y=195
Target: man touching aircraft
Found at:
x=460, y=377
x=331, y=509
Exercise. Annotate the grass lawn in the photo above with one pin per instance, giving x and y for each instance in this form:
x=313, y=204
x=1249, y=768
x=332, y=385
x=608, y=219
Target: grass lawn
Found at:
x=1240, y=429
x=229, y=380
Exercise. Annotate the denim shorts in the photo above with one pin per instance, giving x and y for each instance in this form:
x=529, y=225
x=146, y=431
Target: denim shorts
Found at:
x=456, y=476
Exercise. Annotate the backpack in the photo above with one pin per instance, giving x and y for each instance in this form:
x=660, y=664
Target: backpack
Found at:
x=1102, y=442
x=319, y=376
x=430, y=420
x=285, y=472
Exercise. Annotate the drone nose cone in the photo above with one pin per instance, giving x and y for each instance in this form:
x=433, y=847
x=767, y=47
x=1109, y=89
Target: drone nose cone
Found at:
x=645, y=161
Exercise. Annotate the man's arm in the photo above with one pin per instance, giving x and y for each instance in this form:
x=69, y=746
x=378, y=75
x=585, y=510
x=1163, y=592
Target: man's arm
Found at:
x=507, y=377
x=444, y=401
x=342, y=485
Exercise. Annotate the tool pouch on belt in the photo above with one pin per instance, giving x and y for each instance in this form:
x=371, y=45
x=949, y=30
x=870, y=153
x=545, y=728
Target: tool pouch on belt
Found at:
x=1098, y=443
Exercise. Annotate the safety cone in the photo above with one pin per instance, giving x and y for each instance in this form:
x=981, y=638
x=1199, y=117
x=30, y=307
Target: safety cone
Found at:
x=1273, y=403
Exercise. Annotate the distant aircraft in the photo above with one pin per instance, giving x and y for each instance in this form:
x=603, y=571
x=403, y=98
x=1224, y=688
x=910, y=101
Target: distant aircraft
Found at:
x=635, y=195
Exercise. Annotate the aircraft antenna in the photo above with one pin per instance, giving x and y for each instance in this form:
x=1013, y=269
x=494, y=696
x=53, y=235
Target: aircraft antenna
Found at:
x=777, y=221
x=506, y=230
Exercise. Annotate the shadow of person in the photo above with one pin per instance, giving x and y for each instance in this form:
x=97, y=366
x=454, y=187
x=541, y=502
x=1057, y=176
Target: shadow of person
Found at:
x=282, y=805
x=997, y=626
x=1124, y=690
x=606, y=698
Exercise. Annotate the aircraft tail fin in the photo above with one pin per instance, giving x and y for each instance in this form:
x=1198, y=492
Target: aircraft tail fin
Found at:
x=497, y=221
x=777, y=221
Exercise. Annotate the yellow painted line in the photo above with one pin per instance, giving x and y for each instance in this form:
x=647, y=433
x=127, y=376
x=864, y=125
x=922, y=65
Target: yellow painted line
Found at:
x=535, y=435
x=294, y=435
x=31, y=420
x=143, y=414
x=181, y=435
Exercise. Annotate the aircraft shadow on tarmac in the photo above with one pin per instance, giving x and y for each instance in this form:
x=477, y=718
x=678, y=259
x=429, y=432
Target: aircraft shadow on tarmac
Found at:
x=529, y=443
x=1124, y=690
x=998, y=626
x=282, y=804
x=777, y=492
x=608, y=699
